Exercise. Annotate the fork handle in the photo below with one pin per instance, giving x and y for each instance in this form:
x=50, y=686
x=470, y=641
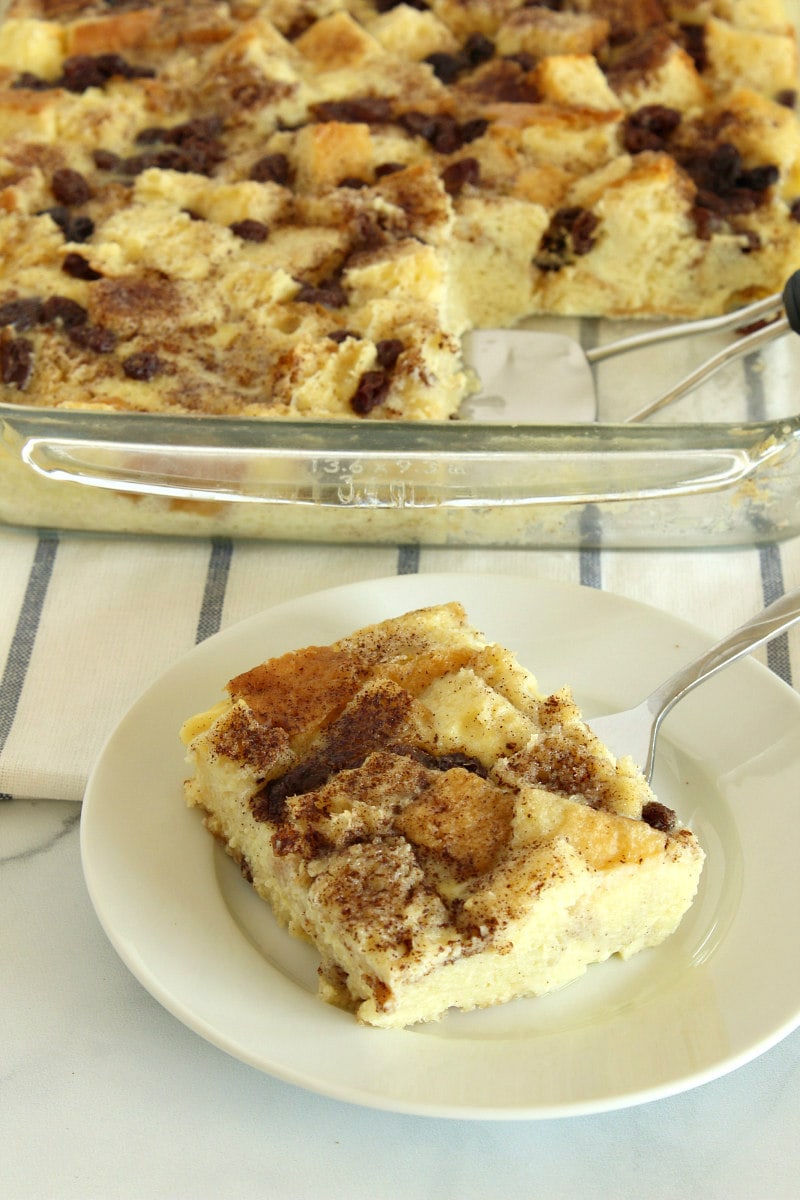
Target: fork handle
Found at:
x=774, y=619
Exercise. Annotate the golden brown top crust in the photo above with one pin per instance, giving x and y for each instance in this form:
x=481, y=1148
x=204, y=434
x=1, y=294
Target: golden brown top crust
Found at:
x=353, y=806
x=306, y=690
x=418, y=671
x=301, y=691
x=133, y=305
x=559, y=764
x=343, y=706
x=626, y=18
x=461, y=818
x=377, y=890
x=244, y=740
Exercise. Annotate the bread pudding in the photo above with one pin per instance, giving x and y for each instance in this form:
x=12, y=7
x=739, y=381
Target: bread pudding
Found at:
x=297, y=208
x=445, y=835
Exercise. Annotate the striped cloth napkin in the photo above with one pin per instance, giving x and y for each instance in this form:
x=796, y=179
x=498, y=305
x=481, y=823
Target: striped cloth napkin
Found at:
x=87, y=622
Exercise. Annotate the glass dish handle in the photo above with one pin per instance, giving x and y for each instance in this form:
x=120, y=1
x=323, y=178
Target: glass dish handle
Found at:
x=530, y=475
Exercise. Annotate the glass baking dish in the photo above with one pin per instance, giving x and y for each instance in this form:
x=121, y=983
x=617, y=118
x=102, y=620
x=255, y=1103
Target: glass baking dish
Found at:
x=719, y=468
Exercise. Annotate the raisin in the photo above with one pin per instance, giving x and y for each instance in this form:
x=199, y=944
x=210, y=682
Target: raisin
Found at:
x=78, y=267
x=272, y=168
x=370, y=392
x=582, y=231
x=715, y=171
x=150, y=135
x=250, y=231
x=733, y=202
x=693, y=40
x=22, y=314
x=142, y=365
x=363, y=110
x=189, y=131
x=68, y=313
x=447, y=135
x=447, y=67
x=353, y=181
x=106, y=160
x=705, y=222
x=570, y=233
x=723, y=185
x=441, y=762
x=114, y=64
x=758, y=179
x=441, y=130
x=329, y=293
x=136, y=163
x=366, y=232
x=79, y=229
x=16, y=362
x=198, y=158
x=446, y=762
x=478, y=49
x=30, y=81
x=74, y=229
x=419, y=124
x=658, y=816
x=383, y=6
x=470, y=130
x=190, y=147
x=93, y=337
x=649, y=128
x=521, y=59
x=341, y=335
x=388, y=168
x=82, y=71
x=787, y=97
x=507, y=79
x=69, y=187
x=387, y=352
x=459, y=174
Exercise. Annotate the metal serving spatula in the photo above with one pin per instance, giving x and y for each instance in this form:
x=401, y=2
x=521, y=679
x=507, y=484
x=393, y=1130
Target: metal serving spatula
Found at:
x=546, y=378
x=634, y=732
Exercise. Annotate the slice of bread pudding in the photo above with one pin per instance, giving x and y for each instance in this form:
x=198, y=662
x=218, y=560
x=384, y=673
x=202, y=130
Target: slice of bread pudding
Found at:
x=445, y=835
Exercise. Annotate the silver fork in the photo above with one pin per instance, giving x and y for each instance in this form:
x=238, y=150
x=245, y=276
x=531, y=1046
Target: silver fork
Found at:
x=634, y=731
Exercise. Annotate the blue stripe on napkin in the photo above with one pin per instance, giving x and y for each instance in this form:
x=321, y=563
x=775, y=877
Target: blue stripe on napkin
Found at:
x=22, y=642
x=219, y=569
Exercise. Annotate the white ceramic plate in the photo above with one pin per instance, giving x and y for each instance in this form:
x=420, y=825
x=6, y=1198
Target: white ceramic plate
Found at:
x=723, y=989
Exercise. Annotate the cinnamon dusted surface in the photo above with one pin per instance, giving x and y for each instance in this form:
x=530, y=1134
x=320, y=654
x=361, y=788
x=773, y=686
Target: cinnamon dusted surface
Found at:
x=444, y=834
x=289, y=209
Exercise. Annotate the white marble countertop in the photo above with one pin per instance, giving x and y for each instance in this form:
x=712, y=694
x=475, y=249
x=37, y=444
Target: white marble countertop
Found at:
x=107, y=1095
